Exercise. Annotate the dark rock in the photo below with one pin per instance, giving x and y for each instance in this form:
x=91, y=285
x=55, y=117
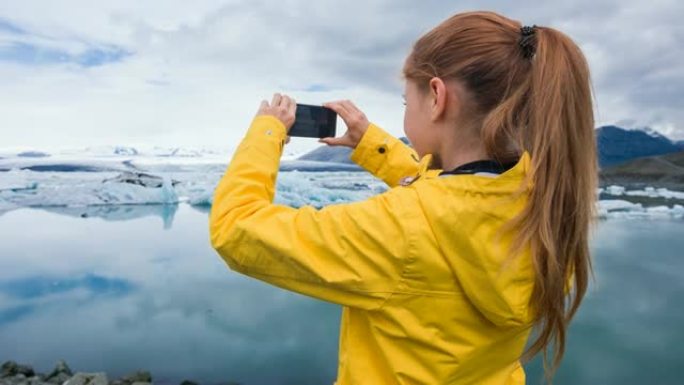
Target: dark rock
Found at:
x=9, y=368
x=37, y=380
x=62, y=367
x=188, y=382
x=19, y=379
x=58, y=379
x=80, y=378
x=25, y=370
x=138, y=376
x=59, y=374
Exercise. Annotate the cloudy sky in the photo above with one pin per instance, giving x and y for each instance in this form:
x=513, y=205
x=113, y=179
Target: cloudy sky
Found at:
x=192, y=73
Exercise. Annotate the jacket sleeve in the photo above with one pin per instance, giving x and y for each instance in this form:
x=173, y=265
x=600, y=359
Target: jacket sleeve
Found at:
x=350, y=254
x=384, y=156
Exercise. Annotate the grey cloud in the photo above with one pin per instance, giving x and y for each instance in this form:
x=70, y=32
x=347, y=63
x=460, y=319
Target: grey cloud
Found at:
x=634, y=48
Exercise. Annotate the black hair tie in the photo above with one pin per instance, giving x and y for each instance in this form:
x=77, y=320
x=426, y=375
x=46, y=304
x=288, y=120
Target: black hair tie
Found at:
x=527, y=40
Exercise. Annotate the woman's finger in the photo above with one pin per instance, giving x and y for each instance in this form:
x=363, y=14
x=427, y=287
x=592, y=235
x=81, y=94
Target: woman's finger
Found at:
x=330, y=141
x=293, y=107
x=335, y=141
x=340, y=109
x=262, y=107
x=285, y=102
x=349, y=106
x=333, y=105
x=276, y=99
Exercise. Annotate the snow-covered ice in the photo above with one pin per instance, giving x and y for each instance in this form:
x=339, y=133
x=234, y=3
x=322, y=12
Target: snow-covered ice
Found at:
x=618, y=208
x=117, y=175
x=650, y=191
x=120, y=176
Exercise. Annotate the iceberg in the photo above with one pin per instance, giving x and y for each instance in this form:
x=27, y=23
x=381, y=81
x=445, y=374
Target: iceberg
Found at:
x=615, y=190
x=650, y=191
x=27, y=188
x=618, y=208
x=656, y=193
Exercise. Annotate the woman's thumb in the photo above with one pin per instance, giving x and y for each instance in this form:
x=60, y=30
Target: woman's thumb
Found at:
x=329, y=141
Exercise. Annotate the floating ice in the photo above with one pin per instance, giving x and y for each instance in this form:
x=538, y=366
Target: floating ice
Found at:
x=649, y=191
x=618, y=208
x=120, y=176
x=140, y=180
x=615, y=190
x=657, y=193
x=26, y=188
x=298, y=188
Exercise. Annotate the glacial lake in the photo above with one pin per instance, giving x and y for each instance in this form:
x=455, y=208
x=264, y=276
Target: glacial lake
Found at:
x=130, y=288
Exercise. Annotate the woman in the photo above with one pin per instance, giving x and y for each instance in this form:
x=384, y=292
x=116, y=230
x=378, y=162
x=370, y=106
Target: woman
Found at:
x=484, y=229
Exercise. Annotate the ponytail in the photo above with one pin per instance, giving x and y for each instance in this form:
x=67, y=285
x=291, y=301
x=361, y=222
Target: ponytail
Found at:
x=541, y=104
x=559, y=134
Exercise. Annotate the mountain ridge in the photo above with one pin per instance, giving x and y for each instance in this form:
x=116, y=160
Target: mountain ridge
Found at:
x=665, y=170
x=616, y=145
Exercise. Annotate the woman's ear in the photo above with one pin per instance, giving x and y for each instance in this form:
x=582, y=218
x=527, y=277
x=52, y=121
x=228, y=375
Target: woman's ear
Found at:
x=439, y=98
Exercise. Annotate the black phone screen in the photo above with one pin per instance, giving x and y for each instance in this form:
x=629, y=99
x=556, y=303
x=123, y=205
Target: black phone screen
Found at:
x=313, y=122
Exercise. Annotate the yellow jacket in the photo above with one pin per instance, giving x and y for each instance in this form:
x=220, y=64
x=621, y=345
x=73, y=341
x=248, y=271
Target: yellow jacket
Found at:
x=416, y=268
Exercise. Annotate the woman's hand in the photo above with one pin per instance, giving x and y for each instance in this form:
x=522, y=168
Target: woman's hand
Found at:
x=283, y=108
x=356, y=122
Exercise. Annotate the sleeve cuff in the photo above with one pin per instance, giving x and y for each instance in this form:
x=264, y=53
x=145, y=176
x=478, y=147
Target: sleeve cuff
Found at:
x=371, y=151
x=268, y=127
x=267, y=133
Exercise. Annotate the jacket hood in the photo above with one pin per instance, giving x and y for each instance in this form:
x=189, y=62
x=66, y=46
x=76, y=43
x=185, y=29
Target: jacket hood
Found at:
x=464, y=220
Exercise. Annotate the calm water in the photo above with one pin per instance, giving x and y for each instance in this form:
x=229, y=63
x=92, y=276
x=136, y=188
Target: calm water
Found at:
x=141, y=288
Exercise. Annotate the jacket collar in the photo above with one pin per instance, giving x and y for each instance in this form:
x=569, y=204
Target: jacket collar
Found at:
x=483, y=165
x=519, y=169
x=424, y=164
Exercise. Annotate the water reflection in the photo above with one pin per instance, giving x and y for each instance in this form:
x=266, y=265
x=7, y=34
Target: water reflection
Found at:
x=129, y=296
x=30, y=290
x=140, y=287
x=119, y=212
x=628, y=330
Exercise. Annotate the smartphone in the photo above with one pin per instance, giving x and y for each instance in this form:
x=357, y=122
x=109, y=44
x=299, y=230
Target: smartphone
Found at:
x=313, y=121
